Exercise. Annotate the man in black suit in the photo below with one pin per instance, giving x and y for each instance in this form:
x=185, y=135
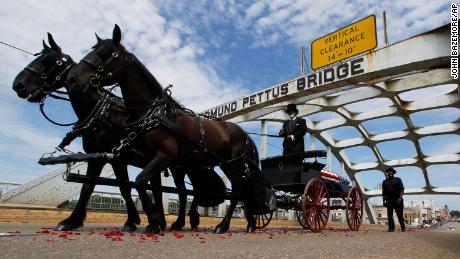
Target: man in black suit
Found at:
x=392, y=192
x=293, y=131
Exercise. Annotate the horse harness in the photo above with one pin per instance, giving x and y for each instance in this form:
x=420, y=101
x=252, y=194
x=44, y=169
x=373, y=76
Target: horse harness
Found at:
x=157, y=116
x=98, y=117
x=97, y=78
x=47, y=88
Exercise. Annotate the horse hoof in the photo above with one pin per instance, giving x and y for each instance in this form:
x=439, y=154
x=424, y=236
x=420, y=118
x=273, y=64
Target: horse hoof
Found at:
x=194, y=227
x=177, y=225
x=194, y=222
x=129, y=228
x=250, y=229
x=152, y=229
x=137, y=220
x=163, y=225
x=220, y=229
x=66, y=227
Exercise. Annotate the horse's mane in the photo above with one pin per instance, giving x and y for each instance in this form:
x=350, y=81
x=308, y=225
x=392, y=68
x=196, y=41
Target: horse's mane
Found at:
x=153, y=82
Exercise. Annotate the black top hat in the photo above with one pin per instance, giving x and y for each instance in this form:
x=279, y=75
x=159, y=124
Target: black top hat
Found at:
x=390, y=169
x=291, y=108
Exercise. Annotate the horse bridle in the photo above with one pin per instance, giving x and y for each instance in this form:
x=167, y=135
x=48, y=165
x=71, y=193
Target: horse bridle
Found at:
x=49, y=87
x=99, y=65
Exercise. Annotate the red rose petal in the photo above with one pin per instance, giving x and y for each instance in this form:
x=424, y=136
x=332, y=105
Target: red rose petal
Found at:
x=113, y=234
x=176, y=235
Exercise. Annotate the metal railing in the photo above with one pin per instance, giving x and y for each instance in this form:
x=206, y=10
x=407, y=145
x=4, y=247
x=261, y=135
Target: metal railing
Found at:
x=112, y=201
x=6, y=187
x=109, y=201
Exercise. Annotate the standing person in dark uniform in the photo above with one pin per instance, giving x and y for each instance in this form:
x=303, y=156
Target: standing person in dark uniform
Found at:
x=392, y=192
x=293, y=131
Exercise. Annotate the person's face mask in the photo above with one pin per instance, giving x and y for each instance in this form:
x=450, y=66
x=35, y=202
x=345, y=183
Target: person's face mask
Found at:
x=291, y=116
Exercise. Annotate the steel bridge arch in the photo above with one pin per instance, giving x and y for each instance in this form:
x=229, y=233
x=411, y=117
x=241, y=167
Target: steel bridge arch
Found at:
x=420, y=62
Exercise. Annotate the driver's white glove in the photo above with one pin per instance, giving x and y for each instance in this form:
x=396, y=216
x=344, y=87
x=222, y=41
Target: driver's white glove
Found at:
x=291, y=137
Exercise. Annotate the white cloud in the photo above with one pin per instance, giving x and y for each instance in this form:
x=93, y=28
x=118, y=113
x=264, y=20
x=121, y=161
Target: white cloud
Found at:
x=254, y=10
x=306, y=20
x=444, y=147
x=169, y=49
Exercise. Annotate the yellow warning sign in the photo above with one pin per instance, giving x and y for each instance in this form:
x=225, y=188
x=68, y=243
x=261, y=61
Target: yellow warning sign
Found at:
x=351, y=40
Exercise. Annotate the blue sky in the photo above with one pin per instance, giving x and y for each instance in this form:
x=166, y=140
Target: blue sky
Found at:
x=212, y=52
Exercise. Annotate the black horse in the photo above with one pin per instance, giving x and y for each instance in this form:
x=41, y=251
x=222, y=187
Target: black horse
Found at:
x=45, y=75
x=169, y=134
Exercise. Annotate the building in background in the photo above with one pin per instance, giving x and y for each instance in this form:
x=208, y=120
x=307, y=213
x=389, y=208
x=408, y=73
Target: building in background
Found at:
x=416, y=212
x=442, y=213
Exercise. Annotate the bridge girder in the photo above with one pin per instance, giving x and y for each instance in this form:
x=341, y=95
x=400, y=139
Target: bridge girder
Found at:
x=420, y=62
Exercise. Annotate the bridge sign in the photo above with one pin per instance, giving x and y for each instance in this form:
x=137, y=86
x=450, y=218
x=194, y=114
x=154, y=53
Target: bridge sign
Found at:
x=349, y=41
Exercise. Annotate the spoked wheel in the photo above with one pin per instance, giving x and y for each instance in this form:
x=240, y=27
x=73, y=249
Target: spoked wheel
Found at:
x=316, y=205
x=299, y=212
x=354, y=209
x=262, y=220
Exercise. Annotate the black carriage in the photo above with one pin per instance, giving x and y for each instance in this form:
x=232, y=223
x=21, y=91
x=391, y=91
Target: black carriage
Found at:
x=300, y=187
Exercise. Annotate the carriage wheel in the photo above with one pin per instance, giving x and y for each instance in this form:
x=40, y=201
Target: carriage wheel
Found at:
x=299, y=212
x=354, y=209
x=262, y=220
x=316, y=205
